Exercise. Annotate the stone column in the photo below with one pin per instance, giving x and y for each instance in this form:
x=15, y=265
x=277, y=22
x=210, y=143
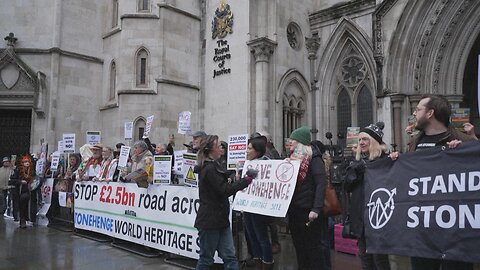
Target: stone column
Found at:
x=397, y=101
x=262, y=49
x=312, y=44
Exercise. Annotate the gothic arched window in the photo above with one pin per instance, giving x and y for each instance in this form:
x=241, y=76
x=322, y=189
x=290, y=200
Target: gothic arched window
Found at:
x=142, y=68
x=115, y=13
x=364, y=107
x=344, y=112
x=113, y=81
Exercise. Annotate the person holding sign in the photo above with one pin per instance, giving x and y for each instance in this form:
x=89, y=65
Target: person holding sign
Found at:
x=109, y=165
x=255, y=224
x=370, y=148
x=212, y=219
x=22, y=176
x=305, y=214
x=93, y=165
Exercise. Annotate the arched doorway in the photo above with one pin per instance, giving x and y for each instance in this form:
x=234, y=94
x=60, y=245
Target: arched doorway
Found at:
x=470, y=85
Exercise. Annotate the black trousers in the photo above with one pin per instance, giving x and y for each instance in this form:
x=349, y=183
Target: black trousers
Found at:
x=307, y=239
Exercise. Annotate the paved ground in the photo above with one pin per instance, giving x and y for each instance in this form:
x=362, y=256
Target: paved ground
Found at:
x=48, y=248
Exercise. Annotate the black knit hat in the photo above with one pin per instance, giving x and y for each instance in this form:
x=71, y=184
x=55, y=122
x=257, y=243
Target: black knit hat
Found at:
x=375, y=130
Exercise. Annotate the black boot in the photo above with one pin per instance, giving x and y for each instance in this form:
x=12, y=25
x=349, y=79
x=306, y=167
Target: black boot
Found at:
x=267, y=266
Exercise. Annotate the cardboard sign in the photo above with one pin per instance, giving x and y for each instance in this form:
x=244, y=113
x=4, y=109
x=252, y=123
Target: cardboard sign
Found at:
x=69, y=143
x=237, y=151
x=189, y=162
x=352, y=136
x=271, y=192
x=60, y=147
x=128, y=130
x=148, y=125
x=162, y=169
x=123, y=157
x=184, y=122
x=94, y=137
x=55, y=161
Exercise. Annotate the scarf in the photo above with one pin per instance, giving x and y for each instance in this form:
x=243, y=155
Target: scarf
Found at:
x=302, y=172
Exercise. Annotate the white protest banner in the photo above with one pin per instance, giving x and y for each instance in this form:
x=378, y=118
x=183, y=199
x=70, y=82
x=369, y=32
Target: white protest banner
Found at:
x=55, y=161
x=123, y=157
x=271, y=192
x=69, y=143
x=148, y=125
x=184, y=122
x=60, y=146
x=189, y=162
x=94, y=137
x=237, y=151
x=179, y=162
x=162, y=169
x=128, y=130
x=160, y=217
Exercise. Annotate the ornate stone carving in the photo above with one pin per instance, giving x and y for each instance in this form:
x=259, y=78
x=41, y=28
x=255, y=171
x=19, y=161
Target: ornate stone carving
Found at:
x=352, y=71
x=262, y=48
x=452, y=27
x=424, y=42
x=222, y=23
x=312, y=44
x=294, y=36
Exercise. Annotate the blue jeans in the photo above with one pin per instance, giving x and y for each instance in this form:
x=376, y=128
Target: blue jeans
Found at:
x=257, y=230
x=220, y=240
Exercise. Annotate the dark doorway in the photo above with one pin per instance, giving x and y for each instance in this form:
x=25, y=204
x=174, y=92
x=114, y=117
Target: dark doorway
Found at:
x=15, y=128
x=470, y=85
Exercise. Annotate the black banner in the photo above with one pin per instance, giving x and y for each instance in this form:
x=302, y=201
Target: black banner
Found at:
x=425, y=204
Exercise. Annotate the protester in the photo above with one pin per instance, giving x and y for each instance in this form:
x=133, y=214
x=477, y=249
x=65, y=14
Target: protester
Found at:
x=92, y=166
x=197, y=138
x=108, y=167
x=161, y=149
x=212, y=219
x=140, y=152
x=255, y=224
x=370, y=148
x=5, y=171
x=21, y=177
x=433, y=121
x=305, y=214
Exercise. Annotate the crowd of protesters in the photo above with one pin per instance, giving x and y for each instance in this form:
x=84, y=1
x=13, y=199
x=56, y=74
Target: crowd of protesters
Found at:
x=306, y=221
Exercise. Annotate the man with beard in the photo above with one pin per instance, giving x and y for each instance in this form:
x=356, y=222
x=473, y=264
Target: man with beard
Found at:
x=433, y=121
x=93, y=164
x=432, y=116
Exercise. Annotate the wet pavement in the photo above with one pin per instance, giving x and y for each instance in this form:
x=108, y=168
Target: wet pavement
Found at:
x=47, y=248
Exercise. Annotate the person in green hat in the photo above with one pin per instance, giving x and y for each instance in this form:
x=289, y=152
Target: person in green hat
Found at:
x=305, y=216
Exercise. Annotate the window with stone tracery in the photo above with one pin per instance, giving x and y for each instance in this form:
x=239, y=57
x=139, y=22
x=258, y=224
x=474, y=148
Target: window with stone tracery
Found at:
x=355, y=106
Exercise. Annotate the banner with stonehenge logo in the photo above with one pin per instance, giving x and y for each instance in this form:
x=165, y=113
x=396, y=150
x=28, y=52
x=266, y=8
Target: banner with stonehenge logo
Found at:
x=425, y=204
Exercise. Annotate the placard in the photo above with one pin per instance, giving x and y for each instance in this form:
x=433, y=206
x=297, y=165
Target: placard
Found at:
x=189, y=162
x=55, y=161
x=184, y=122
x=352, y=136
x=94, y=137
x=237, y=151
x=123, y=157
x=128, y=131
x=162, y=169
x=148, y=126
x=271, y=191
x=69, y=143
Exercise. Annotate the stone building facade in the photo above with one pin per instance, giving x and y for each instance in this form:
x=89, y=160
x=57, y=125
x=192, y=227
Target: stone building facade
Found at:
x=268, y=66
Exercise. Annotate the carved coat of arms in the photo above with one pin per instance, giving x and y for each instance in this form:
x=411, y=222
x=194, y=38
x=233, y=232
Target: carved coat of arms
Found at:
x=222, y=21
